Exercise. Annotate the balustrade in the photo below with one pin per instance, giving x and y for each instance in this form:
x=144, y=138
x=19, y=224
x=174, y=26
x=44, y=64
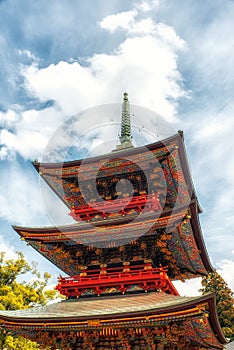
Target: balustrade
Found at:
x=120, y=278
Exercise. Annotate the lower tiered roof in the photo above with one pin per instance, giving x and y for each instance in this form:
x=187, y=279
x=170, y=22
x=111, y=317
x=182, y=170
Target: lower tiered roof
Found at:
x=193, y=318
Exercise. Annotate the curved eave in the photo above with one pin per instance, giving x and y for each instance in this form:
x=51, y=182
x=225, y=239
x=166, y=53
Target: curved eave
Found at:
x=52, y=233
x=124, y=153
x=214, y=319
x=108, y=222
x=144, y=306
x=181, y=304
x=186, y=170
x=194, y=207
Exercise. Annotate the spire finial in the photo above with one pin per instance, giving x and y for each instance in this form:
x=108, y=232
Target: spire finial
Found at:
x=126, y=136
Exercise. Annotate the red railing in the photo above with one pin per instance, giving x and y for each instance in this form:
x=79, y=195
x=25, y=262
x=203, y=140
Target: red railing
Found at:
x=144, y=276
x=121, y=206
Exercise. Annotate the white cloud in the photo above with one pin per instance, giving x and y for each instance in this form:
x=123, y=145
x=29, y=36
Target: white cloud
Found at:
x=141, y=61
x=210, y=134
x=189, y=287
x=145, y=61
x=26, y=200
x=28, y=132
x=19, y=196
x=8, y=119
x=169, y=36
x=143, y=6
x=129, y=22
x=144, y=26
x=7, y=250
x=225, y=268
x=123, y=20
x=28, y=54
x=147, y=6
x=72, y=86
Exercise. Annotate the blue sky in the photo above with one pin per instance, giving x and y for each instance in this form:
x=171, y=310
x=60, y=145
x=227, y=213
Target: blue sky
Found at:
x=174, y=57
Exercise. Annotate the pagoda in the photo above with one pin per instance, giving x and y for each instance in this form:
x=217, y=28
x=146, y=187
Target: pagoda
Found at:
x=126, y=247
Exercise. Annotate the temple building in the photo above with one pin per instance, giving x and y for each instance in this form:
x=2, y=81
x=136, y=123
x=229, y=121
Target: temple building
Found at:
x=136, y=230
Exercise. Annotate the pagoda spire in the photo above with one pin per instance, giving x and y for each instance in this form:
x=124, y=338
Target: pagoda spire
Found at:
x=126, y=135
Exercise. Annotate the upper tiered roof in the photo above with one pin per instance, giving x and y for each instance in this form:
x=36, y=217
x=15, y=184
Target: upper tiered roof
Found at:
x=159, y=169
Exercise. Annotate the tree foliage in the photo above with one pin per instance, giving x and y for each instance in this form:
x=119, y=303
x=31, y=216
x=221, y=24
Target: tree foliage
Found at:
x=10, y=342
x=214, y=283
x=15, y=293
